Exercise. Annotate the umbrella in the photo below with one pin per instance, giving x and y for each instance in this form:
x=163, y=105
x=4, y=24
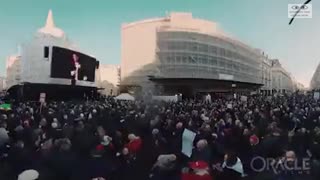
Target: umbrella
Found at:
x=5, y=107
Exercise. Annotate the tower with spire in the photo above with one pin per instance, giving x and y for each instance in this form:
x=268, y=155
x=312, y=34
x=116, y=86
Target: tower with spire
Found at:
x=50, y=28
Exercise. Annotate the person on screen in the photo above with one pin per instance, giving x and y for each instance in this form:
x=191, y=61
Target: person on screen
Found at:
x=77, y=66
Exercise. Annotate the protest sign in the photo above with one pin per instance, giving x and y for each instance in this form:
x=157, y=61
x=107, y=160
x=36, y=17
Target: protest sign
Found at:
x=42, y=98
x=316, y=95
x=244, y=98
x=187, y=142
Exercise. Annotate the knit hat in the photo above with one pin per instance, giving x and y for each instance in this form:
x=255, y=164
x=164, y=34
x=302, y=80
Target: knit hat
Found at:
x=198, y=165
x=29, y=175
x=254, y=140
x=201, y=144
x=98, y=151
x=165, y=159
x=155, y=131
x=132, y=137
x=179, y=125
x=54, y=125
x=106, y=140
x=99, y=147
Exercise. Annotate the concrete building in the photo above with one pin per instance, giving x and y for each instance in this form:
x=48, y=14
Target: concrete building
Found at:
x=315, y=80
x=35, y=66
x=301, y=87
x=13, y=70
x=266, y=77
x=31, y=73
x=109, y=79
x=182, y=53
x=282, y=81
x=2, y=84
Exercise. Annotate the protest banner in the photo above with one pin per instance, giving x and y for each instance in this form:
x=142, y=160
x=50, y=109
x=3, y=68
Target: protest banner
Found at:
x=187, y=142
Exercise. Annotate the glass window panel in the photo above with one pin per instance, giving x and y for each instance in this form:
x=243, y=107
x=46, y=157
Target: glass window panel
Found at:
x=214, y=61
x=190, y=60
x=194, y=46
x=184, y=59
x=222, y=63
x=170, y=45
x=178, y=58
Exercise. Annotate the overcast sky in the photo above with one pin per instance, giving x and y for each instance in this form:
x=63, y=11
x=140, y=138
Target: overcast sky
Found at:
x=95, y=26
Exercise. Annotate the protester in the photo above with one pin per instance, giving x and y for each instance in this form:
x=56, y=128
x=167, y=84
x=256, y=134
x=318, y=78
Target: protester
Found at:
x=120, y=140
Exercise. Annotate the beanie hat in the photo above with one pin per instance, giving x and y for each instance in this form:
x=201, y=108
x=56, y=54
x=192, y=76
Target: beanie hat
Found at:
x=29, y=175
x=106, y=140
x=100, y=147
x=198, y=165
x=254, y=140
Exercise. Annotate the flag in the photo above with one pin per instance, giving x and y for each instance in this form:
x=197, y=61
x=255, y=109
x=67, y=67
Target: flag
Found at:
x=5, y=107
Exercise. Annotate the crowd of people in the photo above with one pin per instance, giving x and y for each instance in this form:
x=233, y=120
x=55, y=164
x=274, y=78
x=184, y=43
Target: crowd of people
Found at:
x=107, y=139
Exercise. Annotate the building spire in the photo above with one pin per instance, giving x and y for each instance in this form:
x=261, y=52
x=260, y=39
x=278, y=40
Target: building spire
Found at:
x=50, y=22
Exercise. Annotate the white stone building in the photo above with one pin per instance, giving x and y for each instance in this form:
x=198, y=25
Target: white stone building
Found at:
x=282, y=81
x=2, y=84
x=109, y=79
x=13, y=70
x=33, y=65
x=180, y=47
x=266, y=77
x=315, y=80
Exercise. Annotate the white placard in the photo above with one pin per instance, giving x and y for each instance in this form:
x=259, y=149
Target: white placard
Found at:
x=187, y=142
x=316, y=95
x=42, y=98
x=244, y=98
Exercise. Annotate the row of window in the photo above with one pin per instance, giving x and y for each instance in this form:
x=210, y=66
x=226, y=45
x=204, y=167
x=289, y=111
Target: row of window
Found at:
x=209, y=39
x=207, y=60
x=203, y=48
x=207, y=72
x=201, y=58
x=236, y=67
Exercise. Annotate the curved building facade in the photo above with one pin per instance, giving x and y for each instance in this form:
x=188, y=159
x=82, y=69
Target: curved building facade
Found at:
x=181, y=49
x=315, y=80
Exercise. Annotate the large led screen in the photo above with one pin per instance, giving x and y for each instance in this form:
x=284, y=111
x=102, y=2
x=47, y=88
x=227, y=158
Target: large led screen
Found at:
x=70, y=64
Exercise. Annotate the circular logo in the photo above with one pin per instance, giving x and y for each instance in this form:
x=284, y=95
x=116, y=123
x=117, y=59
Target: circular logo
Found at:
x=261, y=160
x=296, y=7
